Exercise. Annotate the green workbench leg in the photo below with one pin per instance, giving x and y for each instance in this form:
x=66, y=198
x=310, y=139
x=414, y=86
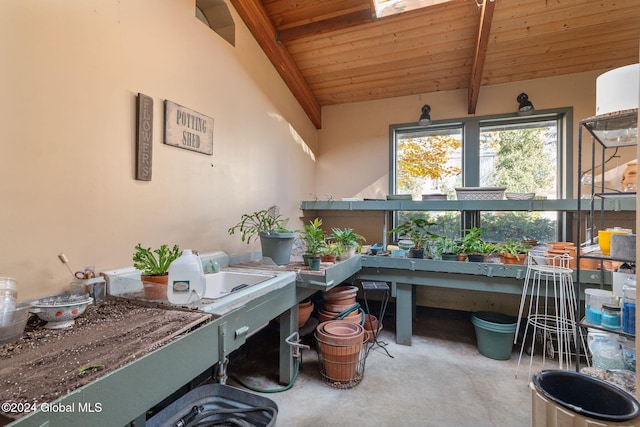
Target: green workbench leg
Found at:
x=404, y=313
x=288, y=325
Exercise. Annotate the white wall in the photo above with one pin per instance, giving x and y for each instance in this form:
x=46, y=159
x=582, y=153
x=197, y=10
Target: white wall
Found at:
x=355, y=137
x=70, y=73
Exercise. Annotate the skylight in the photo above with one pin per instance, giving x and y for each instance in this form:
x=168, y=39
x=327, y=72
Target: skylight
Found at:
x=391, y=7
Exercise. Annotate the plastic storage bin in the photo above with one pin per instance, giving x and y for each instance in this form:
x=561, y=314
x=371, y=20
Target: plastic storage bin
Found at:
x=593, y=300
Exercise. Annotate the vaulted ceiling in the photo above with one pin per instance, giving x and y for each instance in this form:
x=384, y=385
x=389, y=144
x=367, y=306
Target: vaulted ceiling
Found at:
x=336, y=51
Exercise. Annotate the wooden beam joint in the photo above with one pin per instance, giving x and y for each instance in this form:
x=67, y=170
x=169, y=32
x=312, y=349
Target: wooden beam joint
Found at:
x=480, y=53
x=256, y=19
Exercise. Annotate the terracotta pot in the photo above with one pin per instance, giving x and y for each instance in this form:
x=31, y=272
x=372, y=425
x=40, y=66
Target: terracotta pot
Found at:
x=572, y=252
x=346, y=302
x=305, y=309
x=340, y=363
x=340, y=332
x=462, y=257
x=341, y=295
x=369, y=335
x=155, y=287
x=370, y=322
x=560, y=245
x=339, y=308
x=328, y=258
x=554, y=257
x=513, y=259
x=354, y=316
x=371, y=326
x=589, y=264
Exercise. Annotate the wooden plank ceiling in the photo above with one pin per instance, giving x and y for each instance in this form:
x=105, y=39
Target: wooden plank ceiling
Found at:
x=336, y=51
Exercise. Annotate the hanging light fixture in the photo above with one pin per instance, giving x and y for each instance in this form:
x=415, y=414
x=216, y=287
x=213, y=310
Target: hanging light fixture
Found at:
x=524, y=105
x=425, y=117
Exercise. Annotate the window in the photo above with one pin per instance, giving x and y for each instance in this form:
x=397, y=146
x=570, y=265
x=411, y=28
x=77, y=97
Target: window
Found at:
x=525, y=154
x=215, y=15
x=392, y=7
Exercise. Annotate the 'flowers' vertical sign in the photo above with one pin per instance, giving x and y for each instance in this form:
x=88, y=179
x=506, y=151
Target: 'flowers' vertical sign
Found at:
x=187, y=129
x=144, y=141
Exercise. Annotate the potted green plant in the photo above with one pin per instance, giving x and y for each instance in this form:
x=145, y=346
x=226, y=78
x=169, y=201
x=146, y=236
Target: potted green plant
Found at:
x=512, y=251
x=415, y=229
x=154, y=265
x=276, y=240
x=330, y=252
x=347, y=240
x=444, y=248
x=475, y=246
x=314, y=241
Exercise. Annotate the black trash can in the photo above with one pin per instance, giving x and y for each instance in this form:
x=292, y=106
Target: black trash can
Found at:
x=583, y=395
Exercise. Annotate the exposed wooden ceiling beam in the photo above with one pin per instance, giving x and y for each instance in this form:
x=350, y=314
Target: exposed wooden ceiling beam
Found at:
x=256, y=19
x=322, y=26
x=480, y=53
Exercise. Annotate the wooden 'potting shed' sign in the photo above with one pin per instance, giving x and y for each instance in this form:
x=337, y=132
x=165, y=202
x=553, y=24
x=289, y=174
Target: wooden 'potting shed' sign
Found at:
x=187, y=129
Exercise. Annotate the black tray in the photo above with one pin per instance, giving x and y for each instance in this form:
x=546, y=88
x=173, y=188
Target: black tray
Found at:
x=218, y=402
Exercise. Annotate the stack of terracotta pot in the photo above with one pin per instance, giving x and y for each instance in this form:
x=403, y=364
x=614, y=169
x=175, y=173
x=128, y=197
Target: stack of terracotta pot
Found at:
x=563, y=248
x=569, y=248
x=337, y=301
x=340, y=345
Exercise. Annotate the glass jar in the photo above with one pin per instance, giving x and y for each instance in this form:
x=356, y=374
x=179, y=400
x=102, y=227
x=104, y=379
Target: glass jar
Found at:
x=611, y=317
x=629, y=306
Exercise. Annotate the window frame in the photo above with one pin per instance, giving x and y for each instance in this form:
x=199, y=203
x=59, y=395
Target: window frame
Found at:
x=471, y=127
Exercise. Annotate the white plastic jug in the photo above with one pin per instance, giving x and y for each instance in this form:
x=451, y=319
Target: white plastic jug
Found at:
x=186, y=279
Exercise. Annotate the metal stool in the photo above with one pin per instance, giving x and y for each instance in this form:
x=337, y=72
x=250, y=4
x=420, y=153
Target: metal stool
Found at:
x=550, y=276
x=377, y=287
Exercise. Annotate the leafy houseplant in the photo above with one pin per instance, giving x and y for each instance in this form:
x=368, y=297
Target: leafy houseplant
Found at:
x=512, y=251
x=154, y=265
x=445, y=248
x=276, y=239
x=330, y=252
x=347, y=241
x=474, y=246
x=314, y=239
x=155, y=262
x=415, y=229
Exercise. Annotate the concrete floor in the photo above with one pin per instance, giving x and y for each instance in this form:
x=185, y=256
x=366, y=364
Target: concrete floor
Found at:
x=440, y=380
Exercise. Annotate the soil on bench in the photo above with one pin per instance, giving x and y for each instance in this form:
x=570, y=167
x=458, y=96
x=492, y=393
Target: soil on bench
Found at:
x=46, y=364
